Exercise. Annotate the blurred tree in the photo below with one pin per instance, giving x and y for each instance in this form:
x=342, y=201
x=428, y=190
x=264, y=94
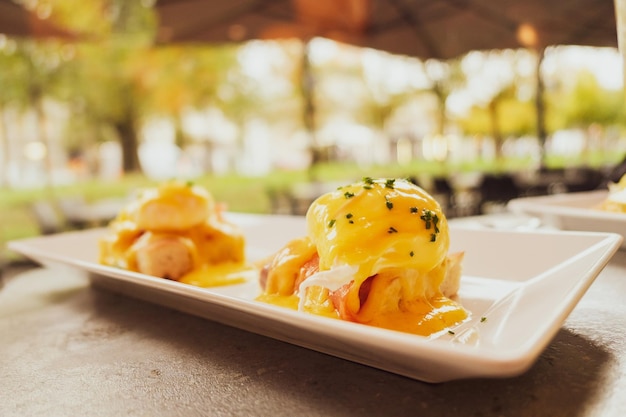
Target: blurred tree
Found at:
x=42, y=72
x=239, y=95
x=504, y=106
x=588, y=104
x=383, y=93
x=365, y=86
x=177, y=78
x=445, y=77
x=32, y=75
x=13, y=94
x=339, y=83
x=278, y=91
x=172, y=79
x=103, y=94
x=101, y=82
x=32, y=68
x=504, y=116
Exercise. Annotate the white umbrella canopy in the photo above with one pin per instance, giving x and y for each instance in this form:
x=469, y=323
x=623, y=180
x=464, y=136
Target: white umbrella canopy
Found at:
x=440, y=29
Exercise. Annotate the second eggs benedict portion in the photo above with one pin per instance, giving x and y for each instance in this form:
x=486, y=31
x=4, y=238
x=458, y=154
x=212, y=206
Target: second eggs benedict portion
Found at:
x=376, y=252
x=616, y=199
x=176, y=231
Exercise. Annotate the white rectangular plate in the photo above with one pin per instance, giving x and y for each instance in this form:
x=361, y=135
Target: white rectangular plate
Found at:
x=519, y=286
x=572, y=211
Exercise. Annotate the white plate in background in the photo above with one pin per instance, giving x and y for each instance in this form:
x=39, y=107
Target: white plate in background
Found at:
x=519, y=286
x=572, y=211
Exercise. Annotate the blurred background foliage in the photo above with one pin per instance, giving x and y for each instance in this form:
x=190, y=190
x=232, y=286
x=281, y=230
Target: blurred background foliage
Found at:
x=110, y=80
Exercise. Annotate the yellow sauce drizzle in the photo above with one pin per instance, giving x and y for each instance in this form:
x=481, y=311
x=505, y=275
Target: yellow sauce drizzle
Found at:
x=215, y=275
x=324, y=308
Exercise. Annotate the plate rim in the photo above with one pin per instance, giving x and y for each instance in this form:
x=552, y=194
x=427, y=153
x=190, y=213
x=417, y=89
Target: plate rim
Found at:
x=499, y=363
x=560, y=204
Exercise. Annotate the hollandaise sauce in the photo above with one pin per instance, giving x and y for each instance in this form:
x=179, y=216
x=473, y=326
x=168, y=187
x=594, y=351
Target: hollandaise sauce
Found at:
x=386, y=304
x=177, y=231
x=215, y=275
x=317, y=302
x=376, y=252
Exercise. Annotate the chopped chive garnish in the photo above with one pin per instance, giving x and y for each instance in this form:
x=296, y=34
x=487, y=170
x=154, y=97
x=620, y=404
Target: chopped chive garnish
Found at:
x=388, y=203
x=331, y=223
x=430, y=220
x=389, y=183
x=413, y=210
x=349, y=216
x=411, y=254
x=483, y=319
x=450, y=332
x=392, y=230
x=427, y=216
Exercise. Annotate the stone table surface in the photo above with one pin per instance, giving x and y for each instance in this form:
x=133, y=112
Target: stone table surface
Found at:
x=69, y=348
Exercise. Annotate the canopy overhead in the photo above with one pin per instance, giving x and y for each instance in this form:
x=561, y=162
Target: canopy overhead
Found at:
x=17, y=20
x=440, y=29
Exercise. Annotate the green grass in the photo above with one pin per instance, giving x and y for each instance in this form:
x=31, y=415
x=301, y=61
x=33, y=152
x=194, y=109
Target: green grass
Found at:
x=240, y=194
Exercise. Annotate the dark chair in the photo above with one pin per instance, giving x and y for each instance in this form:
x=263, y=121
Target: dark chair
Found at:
x=281, y=200
x=72, y=210
x=584, y=179
x=48, y=218
x=497, y=189
x=616, y=172
x=442, y=191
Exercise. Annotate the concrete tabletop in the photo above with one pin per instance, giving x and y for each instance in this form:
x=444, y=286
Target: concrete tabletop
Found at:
x=68, y=348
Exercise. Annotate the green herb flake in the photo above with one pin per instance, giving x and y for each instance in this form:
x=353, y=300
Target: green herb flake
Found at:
x=369, y=183
x=349, y=216
x=483, y=319
x=392, y=230
x=411, y=254
x=331, y=223
x=389, y=183
x=431, y=220
x=427, y=216
x=348, y=194
x=451, y=332
x=388, y=203
x=414, y=210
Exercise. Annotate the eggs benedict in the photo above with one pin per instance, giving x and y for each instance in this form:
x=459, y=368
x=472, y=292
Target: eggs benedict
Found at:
x=376, y=252
x=616, y=198
x=175, y=231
